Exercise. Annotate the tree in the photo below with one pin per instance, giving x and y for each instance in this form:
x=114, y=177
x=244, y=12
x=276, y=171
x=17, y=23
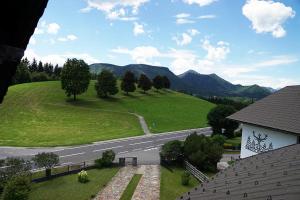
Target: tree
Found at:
x=158, y=82
x=166, y=82
x=39, y=76
x=57, y=71
x=17, y=188
x=22, y=73
x=75, y=77
x=218, y=121
x=106, y=84
x=106, y=160
x=128, y=82
x=218, y=139
x=202, y=152
x=40, y=67
x=47, y=161
x=172, y=151
x=144, y=83
x=34, y=66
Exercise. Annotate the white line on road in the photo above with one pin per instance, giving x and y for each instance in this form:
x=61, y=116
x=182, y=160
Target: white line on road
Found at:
x=75, y=154
x=141, y=142
x=139, y=149
x=171, y=137
x=122, y=152
x=116, y=147
x=150, y=149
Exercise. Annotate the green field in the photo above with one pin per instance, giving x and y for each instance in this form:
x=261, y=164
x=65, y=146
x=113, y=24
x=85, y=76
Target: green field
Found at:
x=170, y=184
x=39, y=114
x=68, y=188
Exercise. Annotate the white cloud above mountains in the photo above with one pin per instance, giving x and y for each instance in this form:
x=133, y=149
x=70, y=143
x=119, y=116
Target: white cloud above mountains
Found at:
x=185, y=38
x=53, y=28
x=125, y=10
x=67, y=38
x=268, y=16
x=186, y=18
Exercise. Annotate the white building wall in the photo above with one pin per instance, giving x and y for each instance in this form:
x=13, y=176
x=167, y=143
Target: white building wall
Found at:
x=275, y=138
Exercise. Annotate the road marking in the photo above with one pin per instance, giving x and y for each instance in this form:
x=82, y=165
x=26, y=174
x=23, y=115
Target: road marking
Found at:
x=75, y=154
x=116, y=147
x=139, y=149
x=141, y=142
x=150, y=149
x=171, y=138
x=122, y=152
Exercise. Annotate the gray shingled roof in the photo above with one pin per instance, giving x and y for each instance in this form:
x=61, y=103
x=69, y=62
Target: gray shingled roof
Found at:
x=266, y=176
x=280, y=110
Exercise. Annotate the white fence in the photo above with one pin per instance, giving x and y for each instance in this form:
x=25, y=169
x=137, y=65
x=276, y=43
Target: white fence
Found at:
x=195, y=172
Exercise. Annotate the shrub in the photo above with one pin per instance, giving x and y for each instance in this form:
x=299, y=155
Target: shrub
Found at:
x=83, y=177
x=172, y=152
x=39, y=76
x=202, y=152
x=17, y=188
x=106, y=160
x=46, y=160
x=185, y=178
x=218, y=139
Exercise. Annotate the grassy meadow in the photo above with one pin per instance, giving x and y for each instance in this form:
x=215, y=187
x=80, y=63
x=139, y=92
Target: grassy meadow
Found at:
x=40, y=114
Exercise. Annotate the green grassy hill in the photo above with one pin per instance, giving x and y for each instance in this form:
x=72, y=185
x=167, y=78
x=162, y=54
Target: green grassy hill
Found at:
x=39, y=114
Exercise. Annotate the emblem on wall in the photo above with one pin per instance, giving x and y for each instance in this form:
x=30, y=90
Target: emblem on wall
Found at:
x=258, y=144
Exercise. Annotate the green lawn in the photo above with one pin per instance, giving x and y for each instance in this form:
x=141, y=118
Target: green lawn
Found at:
x=127, y=194
x=39, y=114
x=234, y=141
x=68, y=188
x=170, y=184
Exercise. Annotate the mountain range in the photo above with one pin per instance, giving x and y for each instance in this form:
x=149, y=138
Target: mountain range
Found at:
x=190, y=82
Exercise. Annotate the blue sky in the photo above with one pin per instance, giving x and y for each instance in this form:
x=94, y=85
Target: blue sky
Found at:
x=243, y=41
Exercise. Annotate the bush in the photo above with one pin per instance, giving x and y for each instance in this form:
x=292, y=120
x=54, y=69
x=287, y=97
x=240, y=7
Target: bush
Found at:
x=83, y=177
x=185, y=178
x=17, y=188
x=172, y=152
x=106, y=160
x=39, y=76
x=218, y=139
x=202, y=152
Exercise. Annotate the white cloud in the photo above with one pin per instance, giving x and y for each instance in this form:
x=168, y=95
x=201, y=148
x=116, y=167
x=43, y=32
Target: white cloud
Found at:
x=53, y=28
x=138, y=29
x=60, y=59
x=185, y=38
x=68, y=38
x=268, y=16
x=116, y=9
x=184, y=18
x=216, y=53
x=38, y=31
x=32, y=41
x=200, y=3
x=207, y=17
x=140, y=54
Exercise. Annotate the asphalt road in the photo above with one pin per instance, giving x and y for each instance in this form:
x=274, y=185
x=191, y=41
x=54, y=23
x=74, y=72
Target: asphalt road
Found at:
x=146, y=148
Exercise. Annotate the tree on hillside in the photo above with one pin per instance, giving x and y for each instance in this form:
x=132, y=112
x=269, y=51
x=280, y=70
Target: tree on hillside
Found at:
x=166, y=81
x=128, y=82
x=34, y=66
x=218, y=121
x=158, y=82
x=75, y=77
x=40, y=67
x=144, y=83
x=106, y=84
x=47, y=161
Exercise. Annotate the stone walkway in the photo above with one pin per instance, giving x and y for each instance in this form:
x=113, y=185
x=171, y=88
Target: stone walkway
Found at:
x=116, y=187
x=149, y=185
x=147, y=189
